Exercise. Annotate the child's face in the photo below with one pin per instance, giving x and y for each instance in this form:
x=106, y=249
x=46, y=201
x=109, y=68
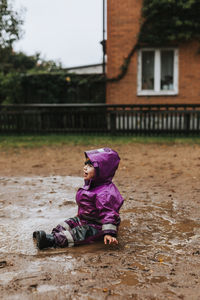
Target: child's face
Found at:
x=89, y=172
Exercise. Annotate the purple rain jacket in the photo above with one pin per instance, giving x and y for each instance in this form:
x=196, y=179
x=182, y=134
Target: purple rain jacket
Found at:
x=99, y=200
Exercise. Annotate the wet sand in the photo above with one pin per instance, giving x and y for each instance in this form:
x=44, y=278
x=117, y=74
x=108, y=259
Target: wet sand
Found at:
x=158, y=256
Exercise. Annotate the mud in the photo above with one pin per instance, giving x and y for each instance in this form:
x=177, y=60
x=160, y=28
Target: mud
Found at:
x=158, y=256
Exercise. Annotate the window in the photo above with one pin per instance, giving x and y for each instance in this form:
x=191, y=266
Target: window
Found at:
x=157, y=72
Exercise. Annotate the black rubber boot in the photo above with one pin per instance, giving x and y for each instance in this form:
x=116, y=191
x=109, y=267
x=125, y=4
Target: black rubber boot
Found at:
x=44, y=240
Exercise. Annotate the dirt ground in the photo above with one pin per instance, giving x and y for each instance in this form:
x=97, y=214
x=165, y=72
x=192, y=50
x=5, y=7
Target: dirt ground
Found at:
x=158, y=256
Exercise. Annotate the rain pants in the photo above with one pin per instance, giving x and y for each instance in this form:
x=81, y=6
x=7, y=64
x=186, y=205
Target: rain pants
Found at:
x=99, y=202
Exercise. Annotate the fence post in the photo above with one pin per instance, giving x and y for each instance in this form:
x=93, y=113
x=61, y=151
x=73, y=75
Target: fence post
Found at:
x=187, y=122
x=113, y=123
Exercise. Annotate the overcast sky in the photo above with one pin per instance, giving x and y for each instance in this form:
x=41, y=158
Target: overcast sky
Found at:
x=68, y=31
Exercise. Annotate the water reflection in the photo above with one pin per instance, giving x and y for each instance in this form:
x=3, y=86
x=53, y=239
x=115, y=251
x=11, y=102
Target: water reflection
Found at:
x=28, y=204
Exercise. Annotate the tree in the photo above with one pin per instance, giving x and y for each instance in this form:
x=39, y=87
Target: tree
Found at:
x=10, y=24
x=10, y=31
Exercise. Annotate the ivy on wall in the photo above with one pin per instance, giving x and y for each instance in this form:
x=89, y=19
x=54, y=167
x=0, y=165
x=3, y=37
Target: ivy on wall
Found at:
x=167, y=21
x=164, y=22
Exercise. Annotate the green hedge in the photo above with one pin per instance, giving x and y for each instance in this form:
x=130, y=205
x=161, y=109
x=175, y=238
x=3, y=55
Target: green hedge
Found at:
x=51, y=88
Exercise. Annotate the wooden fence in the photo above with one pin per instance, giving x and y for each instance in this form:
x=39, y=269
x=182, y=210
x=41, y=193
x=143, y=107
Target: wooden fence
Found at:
x=100, y=118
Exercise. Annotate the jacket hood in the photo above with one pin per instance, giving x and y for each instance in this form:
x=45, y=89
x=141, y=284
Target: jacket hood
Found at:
x=105, y=161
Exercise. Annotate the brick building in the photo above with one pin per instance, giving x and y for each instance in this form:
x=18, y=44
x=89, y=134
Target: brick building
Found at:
x=155, y=75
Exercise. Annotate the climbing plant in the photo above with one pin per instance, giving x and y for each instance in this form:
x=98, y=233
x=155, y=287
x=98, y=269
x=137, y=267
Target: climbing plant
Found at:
x=164, y=22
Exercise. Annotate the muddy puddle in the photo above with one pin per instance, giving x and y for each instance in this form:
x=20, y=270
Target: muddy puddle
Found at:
x=28, y=204
x=157, y=253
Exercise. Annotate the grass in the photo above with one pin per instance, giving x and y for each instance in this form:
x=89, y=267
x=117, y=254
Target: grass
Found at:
x=30, y=141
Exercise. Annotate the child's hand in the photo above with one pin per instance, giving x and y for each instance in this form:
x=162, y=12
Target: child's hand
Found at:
x=110, y=240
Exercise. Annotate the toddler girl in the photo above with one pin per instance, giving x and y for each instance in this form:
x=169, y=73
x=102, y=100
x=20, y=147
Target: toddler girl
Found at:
x=99, y=202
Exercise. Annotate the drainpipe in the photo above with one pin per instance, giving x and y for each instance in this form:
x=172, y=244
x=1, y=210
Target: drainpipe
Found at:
x=104, y=42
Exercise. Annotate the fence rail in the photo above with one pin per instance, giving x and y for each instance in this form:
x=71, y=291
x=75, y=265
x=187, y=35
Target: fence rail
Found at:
x=100, y=118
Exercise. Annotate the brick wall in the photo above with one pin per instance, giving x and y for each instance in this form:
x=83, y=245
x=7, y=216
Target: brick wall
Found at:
x=123, y=23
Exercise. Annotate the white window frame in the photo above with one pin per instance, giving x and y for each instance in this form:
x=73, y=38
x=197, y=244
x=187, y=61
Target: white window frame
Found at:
x=157, y=73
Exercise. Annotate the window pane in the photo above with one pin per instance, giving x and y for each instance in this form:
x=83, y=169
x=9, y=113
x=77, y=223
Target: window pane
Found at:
x=148, y=70
x=167, y=70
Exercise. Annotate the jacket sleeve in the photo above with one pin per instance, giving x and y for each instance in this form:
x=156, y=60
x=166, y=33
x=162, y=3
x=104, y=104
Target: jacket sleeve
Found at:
x=108, y=213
